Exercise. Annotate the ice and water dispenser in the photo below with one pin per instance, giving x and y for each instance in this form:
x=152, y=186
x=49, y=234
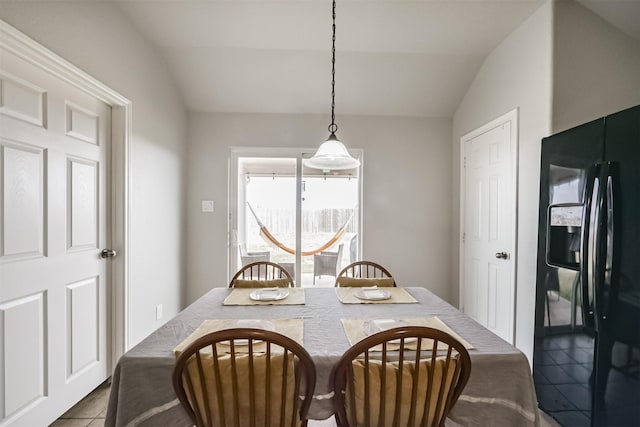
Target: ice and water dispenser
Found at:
x=563, y=235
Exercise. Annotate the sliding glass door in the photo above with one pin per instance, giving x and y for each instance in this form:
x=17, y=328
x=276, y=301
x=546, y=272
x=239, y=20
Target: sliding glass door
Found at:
x=304, y=219
x=330, y=212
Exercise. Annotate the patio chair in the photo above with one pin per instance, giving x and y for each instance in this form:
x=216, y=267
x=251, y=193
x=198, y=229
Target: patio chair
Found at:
x=262, y=274
x=249, y=257
x=407, y=376
x=364, y=273
x=245, y=377
x=327, y=263
x=353, y=249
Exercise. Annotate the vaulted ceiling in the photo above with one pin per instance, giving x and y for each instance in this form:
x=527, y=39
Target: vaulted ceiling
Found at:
x=394, y=57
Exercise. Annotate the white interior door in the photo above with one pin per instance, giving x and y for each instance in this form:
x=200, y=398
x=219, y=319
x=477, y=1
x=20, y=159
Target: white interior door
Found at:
x=55, y=214
x=489, y=212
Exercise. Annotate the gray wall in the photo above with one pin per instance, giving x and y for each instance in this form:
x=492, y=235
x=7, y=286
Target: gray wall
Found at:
x=517, y=74
x=97, y=39
x=407, y=193
x=596, y=67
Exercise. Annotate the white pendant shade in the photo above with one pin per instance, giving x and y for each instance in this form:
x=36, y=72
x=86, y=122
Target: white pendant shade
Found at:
x=332, y=155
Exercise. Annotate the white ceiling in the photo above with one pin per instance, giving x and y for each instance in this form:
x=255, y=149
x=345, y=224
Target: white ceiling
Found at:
x=394, y=57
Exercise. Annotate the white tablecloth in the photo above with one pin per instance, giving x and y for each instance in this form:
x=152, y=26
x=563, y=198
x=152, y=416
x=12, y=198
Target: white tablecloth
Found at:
x=500, y=390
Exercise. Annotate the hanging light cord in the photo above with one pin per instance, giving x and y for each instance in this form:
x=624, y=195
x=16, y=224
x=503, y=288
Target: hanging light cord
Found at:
x=333, y=127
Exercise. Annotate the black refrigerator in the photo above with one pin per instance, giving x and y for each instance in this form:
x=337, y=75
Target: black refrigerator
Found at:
x=586, y=362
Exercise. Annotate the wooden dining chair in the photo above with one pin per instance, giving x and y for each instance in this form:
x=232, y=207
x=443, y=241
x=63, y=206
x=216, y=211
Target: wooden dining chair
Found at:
x=364, y=273
x=245, y=377
x=262, y=274
x=407, y=376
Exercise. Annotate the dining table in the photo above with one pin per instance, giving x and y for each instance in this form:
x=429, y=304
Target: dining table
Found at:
x=499, y=392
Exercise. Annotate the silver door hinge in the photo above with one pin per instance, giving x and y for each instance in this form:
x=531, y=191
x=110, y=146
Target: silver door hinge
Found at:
x=464, y=236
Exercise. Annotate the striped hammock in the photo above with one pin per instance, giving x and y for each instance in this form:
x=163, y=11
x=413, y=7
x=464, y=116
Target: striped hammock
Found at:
x=270, y=239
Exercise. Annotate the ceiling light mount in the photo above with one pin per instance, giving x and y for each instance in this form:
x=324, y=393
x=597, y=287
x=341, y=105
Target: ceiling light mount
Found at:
x=332, y=154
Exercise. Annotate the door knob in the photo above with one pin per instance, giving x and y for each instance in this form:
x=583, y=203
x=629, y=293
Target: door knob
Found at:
x=107, y=253
x=502, y=255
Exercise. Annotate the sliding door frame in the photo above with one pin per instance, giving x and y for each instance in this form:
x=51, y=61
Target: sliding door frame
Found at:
x=293, y=153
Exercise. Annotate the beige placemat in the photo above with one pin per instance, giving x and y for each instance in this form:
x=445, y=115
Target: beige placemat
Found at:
x=358, y=329
x=292, y=328
x=240, y=296
x=398, y=296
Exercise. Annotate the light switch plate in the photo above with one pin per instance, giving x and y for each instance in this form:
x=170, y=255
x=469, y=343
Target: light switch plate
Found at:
x=207, y=206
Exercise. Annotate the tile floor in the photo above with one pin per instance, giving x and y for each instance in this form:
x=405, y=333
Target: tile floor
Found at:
x=91, y=410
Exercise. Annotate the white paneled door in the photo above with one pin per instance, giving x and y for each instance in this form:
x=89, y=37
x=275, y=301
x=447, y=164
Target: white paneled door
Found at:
x=54, y=219
x=488, y=258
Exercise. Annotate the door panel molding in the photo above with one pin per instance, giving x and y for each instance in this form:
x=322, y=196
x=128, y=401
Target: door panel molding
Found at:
x=15, y=102
x=23, y=235
x=22, y=322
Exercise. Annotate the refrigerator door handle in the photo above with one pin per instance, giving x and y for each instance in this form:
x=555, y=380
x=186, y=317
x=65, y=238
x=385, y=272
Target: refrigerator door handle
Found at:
x=598, y=248
x=591, y=187
x=608, y=292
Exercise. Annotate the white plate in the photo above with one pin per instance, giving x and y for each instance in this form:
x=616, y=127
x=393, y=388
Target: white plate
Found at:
x=269, y=294
x=377, y=325
x=372, y=294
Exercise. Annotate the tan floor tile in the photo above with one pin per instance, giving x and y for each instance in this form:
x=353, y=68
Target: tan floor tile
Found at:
x=98, y=422
x=71, y=423
x=91, y=406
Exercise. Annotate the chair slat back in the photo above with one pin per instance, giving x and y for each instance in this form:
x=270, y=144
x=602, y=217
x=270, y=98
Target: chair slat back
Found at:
x=364, y=270
x=245, y=377
x=263, y=271
x=408, y=376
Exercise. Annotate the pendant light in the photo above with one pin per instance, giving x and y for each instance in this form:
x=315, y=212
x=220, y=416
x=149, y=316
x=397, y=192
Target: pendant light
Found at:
x=332, y=154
